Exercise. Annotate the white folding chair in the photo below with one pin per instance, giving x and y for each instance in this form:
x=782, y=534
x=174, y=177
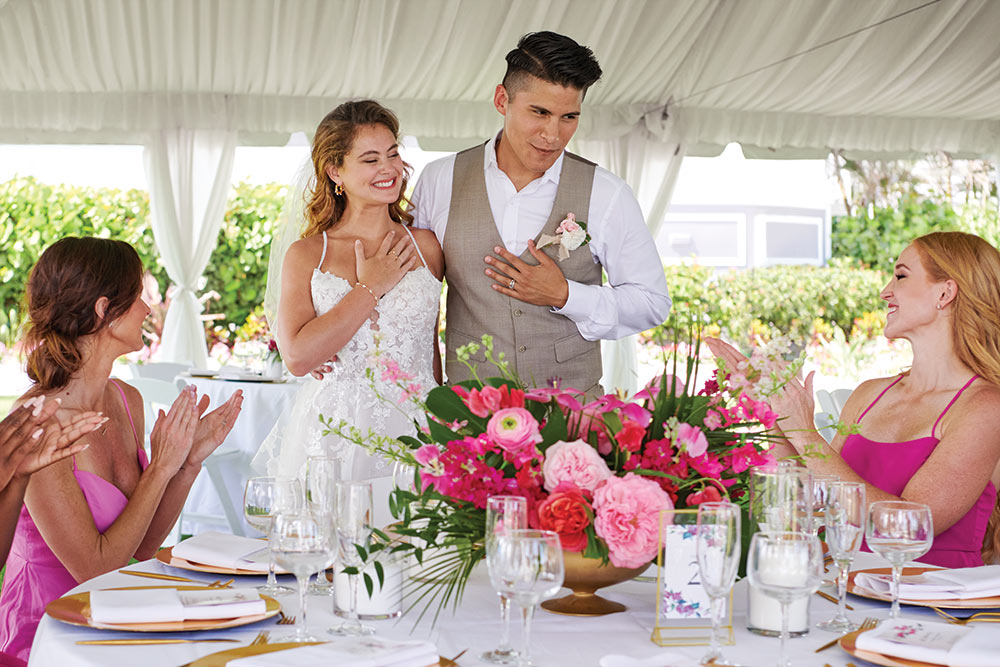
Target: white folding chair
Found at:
x=231, y=463
x=156, y=394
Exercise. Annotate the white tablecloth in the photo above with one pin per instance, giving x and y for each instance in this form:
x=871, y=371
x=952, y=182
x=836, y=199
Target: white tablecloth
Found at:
x=263, y=403
x=557, y=640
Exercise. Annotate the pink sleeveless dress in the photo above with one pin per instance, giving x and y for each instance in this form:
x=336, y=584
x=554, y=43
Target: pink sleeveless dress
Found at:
x=890, y=465
x=34, y=575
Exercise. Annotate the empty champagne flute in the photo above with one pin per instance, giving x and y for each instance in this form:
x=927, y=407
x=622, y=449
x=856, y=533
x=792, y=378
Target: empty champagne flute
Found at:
x=353, y=518
x=785, y=566
x=529, y=568
x=503, y=513
x=718, y=550
x=899, y=531
x=844, y=515
x=302, y=544
x=322, y=474
x=263, y=498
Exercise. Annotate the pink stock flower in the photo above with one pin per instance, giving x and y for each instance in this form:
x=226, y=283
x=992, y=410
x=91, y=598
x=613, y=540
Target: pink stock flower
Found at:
x=484, y=401
x=575, y=462
x=628, y=518
x=514, y=430
x=692, y=439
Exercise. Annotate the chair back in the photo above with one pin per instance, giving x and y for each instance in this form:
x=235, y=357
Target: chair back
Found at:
x=156, y=394
x=159, y=370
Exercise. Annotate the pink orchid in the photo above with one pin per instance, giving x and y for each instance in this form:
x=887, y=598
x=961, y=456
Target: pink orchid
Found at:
x=692, y=439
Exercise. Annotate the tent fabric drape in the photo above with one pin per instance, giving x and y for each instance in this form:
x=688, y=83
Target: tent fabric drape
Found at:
x=189, y=174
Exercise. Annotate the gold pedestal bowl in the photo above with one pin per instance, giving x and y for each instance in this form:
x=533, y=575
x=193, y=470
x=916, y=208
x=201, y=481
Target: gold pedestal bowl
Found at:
x=584, y=576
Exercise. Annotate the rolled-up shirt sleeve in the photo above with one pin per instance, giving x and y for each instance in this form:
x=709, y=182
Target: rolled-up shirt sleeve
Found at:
x=635, y=297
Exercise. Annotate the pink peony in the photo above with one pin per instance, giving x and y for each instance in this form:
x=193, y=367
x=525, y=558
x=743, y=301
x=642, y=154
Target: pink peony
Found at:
x=514, y=430
x=628, y=518
x=575, y=462
x=692, y=439
x=484, y=401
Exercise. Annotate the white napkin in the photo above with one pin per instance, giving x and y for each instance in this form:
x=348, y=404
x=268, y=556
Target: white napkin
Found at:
x=662, y=659
x=959, y=584
x=163, y=605
x=355, y=651
x=936, y=643
x=224, y=550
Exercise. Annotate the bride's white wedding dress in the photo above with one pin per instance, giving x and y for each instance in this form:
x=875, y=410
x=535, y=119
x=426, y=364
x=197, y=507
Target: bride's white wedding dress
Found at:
x=403, y=332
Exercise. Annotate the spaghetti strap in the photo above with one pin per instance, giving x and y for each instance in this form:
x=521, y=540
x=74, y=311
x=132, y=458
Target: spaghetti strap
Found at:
x=877, y=398
x=323, y=256
x=416, y=246
x=128, y=411
x=952, y=402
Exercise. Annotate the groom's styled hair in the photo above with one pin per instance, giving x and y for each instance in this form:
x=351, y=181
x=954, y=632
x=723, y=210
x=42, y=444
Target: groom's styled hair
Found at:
x=550, y=57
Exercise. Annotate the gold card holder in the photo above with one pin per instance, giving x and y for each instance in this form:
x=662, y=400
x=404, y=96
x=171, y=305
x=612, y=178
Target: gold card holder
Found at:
x=683, y=611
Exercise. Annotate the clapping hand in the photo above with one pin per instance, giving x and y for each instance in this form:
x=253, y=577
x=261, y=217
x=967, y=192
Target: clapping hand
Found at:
x=542, y=284
x=173, y=433
x=213, y=427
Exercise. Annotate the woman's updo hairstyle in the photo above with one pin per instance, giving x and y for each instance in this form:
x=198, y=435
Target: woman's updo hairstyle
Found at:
x=65, y=283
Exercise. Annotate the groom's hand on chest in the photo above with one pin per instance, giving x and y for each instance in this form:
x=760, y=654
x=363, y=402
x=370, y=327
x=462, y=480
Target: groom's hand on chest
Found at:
x=542, y=284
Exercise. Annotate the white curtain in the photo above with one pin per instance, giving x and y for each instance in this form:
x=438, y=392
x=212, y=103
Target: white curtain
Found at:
x=649, y=159
x=189, y=174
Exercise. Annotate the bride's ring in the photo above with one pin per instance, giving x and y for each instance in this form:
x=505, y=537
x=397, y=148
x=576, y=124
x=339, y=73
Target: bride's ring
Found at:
x=394, y=254
x=510, y=285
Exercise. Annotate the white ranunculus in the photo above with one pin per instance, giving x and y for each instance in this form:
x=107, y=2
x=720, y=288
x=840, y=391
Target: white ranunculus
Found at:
x=573, y=240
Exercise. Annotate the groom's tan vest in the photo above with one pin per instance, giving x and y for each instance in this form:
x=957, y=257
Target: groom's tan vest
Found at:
x=541, y=345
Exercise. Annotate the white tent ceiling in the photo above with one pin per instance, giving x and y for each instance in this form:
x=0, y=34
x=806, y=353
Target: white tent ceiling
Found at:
x=111, y=70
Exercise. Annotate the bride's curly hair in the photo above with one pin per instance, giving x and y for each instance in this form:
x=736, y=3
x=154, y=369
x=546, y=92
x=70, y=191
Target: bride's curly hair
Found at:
x=65, y=283
x=333, y=141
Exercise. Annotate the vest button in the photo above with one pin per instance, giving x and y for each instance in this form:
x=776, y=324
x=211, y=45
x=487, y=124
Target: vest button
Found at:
x=522, y=349
x=517, y=313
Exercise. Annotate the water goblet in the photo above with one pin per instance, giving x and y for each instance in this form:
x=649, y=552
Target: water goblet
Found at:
x=845, y=526
x=263, y=498
x=302, y=544
x=718, y=551
x=785, y=566
x=899, y=531
x=820, y=484
x=503, y=513
x=353, y=518
x=322, y=473
x=529, y=568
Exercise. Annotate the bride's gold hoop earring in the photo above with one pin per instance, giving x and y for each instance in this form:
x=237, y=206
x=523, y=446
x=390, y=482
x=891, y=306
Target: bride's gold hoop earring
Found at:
x=338, y=189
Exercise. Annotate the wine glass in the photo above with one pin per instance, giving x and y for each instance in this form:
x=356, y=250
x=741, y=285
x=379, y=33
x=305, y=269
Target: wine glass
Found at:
x=718, y=549
x=820, y=485
x=302, y=544
x=845, y=526
x=353, y=517
x=899, y=531
x=785, y=566
x=322, y=473
x=503, y=513
x=528, y=567
x=263, y=498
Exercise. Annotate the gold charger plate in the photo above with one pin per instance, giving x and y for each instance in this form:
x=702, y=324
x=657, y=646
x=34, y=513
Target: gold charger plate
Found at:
x=167, y=557
x=75, y=610
x=848, y=643
x=971, y=603
x=222, y=658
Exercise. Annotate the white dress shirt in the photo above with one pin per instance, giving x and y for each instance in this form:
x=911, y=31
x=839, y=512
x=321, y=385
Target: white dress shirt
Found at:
x=635, y=296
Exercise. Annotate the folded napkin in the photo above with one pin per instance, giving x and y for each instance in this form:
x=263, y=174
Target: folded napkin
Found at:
x=936, y=643
x=354, y=651
x=224, y=550
x=662, y=659
x=163, y=605
x=231, y=373
x=958, y=584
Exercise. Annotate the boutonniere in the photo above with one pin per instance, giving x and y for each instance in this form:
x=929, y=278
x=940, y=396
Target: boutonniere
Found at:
x=570, y=235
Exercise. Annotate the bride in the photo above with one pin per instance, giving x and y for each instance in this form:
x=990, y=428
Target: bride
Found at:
x=362, y=287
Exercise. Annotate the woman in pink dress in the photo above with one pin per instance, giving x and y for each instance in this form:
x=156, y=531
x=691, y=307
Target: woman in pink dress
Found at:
x=928, y=435
x=90, y=513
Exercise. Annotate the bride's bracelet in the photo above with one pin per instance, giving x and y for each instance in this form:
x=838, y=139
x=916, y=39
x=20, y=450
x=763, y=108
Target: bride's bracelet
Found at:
x=361, y=284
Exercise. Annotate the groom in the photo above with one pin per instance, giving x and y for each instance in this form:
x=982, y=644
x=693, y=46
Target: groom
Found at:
x=491, y=205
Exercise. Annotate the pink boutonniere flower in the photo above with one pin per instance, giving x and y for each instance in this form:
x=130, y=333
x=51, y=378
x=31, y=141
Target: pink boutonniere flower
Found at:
x=570, y=235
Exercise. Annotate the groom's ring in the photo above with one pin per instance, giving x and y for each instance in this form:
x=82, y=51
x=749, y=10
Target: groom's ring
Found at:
x=510, y=285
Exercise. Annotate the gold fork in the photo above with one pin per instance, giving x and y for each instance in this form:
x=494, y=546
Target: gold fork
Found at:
x=984, y=616
x=866, y=624
x=285, y=620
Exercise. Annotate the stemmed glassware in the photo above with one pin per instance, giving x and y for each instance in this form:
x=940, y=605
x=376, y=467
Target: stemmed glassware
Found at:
x=322, y=473
x=820, y=487
x=263, y=498
x=503, y=513
x=785, y=566
x=718, y=551
x=302, y=544
x=899, y=531
x=528, y=567
x=845, y=526
x=353, y=518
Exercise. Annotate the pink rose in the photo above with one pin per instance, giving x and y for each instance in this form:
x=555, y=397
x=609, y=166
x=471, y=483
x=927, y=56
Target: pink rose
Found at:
x=575, y=462
x=628, y=518
x=568, y=224
x=709, y=494
x=515, y=430
x=484, y=401
x=693, y=439
x=567, y=512
x=631, y=435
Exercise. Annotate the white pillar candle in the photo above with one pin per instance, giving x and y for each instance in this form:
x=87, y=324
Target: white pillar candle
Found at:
x=786, y=568
x=385, y=602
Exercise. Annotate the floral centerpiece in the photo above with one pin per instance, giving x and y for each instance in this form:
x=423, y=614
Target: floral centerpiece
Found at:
x=598, y=472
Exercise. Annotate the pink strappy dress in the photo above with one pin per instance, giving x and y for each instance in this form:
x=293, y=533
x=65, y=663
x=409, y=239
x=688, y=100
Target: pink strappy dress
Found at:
x=34, y=575
x=890, y=465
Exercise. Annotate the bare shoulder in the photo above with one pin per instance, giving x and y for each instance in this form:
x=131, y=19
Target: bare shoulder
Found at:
x=862, y=397
x=981, y=401
x=431, y=250
x=310, y=247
